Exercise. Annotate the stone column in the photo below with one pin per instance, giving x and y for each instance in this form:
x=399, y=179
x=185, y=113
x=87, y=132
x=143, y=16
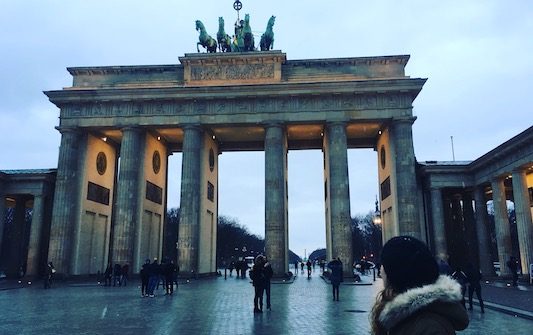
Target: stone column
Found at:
x=402, y=139
x=189, y=226
x=470, y=233
x=503, y=231
x=483, y=238
x=128, y=205
x=524, y=223
x=437, y=217
x=275, y=195
x=34, y=246
x=64, y=207
x=341, y=227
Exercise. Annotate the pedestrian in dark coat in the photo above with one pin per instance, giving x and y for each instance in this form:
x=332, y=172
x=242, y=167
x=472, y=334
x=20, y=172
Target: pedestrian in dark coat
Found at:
x=461, y=278
x=415, y=300
x=108, y=274
x=49, y=275
x=117, y=273
x=257, y=274
x=268, y=276
x=335, y=277
x=154, y=273
x=145, y=277
x=512, y=264
x=474, y=276
x=125, y=274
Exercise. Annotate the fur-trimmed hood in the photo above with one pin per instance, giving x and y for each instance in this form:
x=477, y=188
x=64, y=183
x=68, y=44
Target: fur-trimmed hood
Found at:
x=445, y=291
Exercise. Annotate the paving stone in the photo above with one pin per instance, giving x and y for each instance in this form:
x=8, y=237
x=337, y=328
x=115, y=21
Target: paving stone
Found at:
x=210, y=306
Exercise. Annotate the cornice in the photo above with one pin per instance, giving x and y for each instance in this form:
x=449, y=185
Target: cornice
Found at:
x=376, y=86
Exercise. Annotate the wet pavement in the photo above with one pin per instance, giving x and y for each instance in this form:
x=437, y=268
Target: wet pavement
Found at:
x=210, y=306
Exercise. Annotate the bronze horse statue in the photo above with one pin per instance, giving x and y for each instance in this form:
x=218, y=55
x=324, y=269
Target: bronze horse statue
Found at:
x=206, y=41
x=223, y=39
x=267, y=39
x=249, y=43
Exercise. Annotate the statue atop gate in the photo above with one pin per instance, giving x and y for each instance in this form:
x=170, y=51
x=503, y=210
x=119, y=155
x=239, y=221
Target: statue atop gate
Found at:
x=243, y=39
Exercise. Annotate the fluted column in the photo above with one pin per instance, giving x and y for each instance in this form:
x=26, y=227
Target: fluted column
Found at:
x=341, y=227
x=34, y=246
x=127, y=216
x=524, y=223
x=503, y=230
x=483, y=239
x=437, y=217
x=469, y=224
x=275, y=198
x=189, y=226
x=402, y=138
x=65, y=206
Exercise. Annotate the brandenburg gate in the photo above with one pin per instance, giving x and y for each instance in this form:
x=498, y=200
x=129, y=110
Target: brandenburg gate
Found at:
x=119, y=124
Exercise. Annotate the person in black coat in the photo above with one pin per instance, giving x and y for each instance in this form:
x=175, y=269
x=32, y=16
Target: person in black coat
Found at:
x=145, y=276
x=335, y=277
x=154, y=273
x=512, y=264
x=268, y=276
x=117, y=274
x=474, y=276
x=257, y=274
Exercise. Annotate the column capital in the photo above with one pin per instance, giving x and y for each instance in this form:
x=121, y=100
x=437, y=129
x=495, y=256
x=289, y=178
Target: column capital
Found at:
x=192, y=126
x=274, y=124
x=336, y=123
x=131, y=128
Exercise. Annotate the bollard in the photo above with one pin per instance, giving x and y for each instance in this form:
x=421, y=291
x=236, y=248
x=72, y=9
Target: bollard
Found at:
x=374, y=271
x=225, y=273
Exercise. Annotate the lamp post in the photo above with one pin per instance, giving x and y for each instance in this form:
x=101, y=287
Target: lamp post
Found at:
x=377, y=214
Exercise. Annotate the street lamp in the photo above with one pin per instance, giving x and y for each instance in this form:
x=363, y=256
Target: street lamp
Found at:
x=377, y=214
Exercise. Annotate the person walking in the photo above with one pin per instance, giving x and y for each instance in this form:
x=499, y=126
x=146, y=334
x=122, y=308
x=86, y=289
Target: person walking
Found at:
x=268, y=277
x=308, y=268
x=415, y=300
x=117, y=273
x=462, y=279
x=153, y=277
x=335, y=277
x=257, y=274
x=125, y=274
x=512, y=264
x=108, y=274
x=169, y=270
x=50, y=271
x=145, y=277
x=474, y=276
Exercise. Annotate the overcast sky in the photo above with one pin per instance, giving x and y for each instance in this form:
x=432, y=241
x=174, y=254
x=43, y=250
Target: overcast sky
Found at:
x=476, y=54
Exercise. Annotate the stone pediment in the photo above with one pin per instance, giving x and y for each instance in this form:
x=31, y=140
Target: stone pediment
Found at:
x=232, y=68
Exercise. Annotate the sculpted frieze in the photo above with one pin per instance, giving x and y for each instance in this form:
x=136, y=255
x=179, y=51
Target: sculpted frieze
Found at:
x=232, y=72
x=237, y=106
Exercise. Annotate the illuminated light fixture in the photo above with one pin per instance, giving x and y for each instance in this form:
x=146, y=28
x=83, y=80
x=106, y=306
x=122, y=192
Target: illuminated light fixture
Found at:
x=214, y=136
x=379, y=132
x=377, y=214
x=159, y=138
x=322, y=133
x=104, y=139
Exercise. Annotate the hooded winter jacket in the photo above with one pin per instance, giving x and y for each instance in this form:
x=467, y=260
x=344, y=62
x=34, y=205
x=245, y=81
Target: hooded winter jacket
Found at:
x=430, y=309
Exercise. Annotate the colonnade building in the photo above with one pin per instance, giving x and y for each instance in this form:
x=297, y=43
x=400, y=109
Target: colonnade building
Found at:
x=119, y=125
